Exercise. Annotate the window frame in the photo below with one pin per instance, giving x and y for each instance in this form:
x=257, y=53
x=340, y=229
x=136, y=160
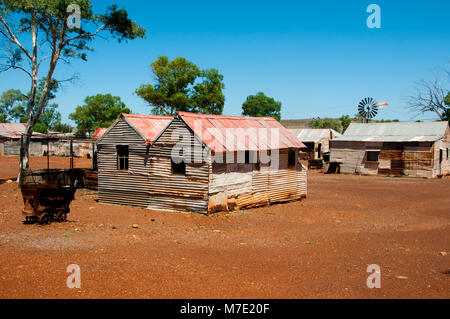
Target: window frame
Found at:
x=125, y=157
x=377, y=152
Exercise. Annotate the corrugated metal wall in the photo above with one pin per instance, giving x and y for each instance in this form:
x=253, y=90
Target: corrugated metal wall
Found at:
x=240, y=186
x=39, y=148
x=414, y=159
x=123, y=187
x=176, y=192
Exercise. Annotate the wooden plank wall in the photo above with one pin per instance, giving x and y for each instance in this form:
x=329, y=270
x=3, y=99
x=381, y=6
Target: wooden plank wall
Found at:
x=174, y=192
x=412, y=159
x=123, y=187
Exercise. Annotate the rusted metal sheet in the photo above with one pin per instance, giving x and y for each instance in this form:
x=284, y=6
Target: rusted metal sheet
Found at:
x=177, y=192
x=414, y=159
x=47, y=194
x=243, y=186
x=15, y=131
x=99, y=132
x=116, y=186
x=150, y=126
x=238, y=133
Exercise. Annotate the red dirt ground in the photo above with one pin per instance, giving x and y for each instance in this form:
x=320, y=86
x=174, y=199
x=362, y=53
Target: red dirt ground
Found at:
x=317, y=248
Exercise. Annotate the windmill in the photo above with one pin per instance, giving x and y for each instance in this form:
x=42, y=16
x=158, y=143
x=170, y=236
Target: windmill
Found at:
x=368, y=108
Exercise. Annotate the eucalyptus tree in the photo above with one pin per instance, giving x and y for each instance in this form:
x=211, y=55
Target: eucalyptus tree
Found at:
x=41, y=33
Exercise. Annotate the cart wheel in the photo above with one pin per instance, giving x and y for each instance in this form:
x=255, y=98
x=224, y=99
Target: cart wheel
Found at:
x=60, y=217
x=31, y=219
x=44, y=219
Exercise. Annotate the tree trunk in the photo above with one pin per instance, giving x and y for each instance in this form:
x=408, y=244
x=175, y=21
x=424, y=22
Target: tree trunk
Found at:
x=24, y=157
x=33, y=117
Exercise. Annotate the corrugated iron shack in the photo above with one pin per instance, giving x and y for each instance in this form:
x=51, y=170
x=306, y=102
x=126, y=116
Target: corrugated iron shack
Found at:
x=54, y=143
x=418, y=149
x=210, y=163
x=316, y=140
x=199, y=163
x=10, y=135
x=122, y=159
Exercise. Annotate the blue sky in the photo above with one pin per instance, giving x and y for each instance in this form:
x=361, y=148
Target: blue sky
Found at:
x=317, y=57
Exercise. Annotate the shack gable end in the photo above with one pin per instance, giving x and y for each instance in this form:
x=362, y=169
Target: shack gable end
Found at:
x=177, y=133
x=173, y=191
x=121, y=132
x=126, y=187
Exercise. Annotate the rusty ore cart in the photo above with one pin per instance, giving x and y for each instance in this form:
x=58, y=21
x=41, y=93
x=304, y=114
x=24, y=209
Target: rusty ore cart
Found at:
x=47, y=194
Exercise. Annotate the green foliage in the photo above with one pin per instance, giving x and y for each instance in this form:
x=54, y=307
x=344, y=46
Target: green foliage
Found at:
x=100, y=110
x=62, y=128
x=9, y=101
x=182, y=86
x=346, y=120
x=387, y=121
x=13, y=107
x=446, y=114
x=44, y=22
x=325, y=123
x=51, y=17
x=208, y=96
x=260, y=105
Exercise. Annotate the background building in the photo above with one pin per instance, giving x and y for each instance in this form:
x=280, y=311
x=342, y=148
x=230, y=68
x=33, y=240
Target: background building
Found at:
x=418, y=149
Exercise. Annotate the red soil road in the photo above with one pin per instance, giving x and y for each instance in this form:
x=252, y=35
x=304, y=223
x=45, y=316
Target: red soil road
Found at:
x=317, y=248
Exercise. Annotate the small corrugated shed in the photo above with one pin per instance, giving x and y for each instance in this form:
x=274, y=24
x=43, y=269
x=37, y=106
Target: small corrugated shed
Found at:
x=315, y=135
x=10, y=134
x=15, y=131
x=417, y=149
x=316, y=140
x=172, y=163
x=229, y=172
x=395, y=132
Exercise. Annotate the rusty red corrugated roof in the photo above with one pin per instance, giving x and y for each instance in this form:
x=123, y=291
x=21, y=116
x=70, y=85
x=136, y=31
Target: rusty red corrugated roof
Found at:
x=223, y=133
x=99, y=132
x=148, y=125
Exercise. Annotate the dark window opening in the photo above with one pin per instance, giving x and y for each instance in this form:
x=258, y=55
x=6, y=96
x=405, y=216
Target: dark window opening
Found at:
x=122, y=157
x=291, y=159
x=447, y=153
x=441, y=155
x=319, y=151
x=372, y=156
x=178, y=167
x=250, y=157
x=247, y=157
x=309, y=147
